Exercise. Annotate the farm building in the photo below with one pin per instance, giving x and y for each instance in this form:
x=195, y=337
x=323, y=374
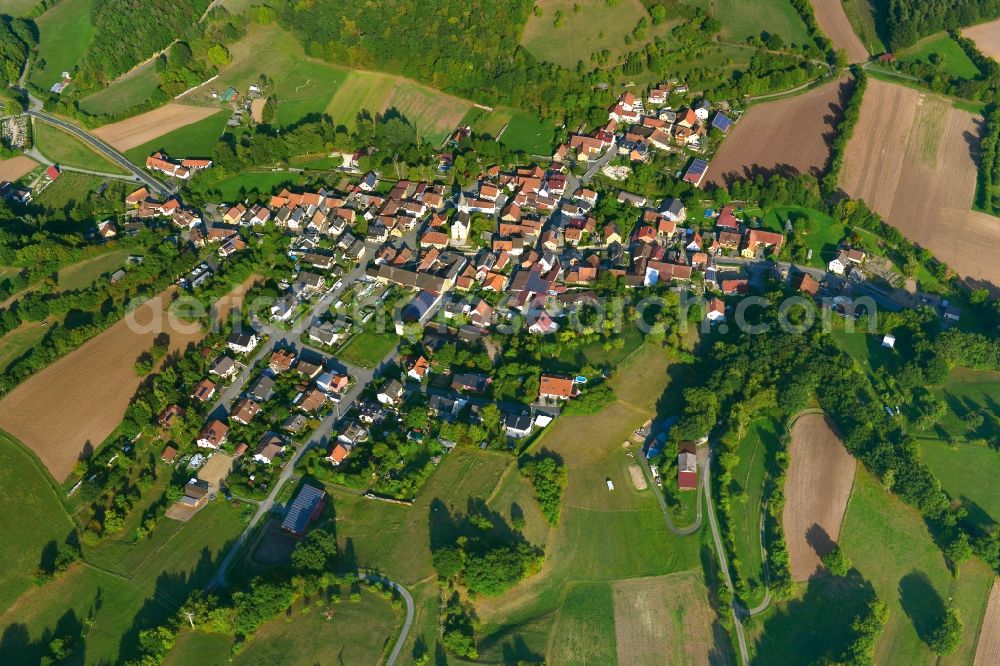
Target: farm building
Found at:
x=305, y=508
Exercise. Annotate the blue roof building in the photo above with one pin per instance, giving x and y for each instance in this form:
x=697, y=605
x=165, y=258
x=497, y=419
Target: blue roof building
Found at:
x=306, y=506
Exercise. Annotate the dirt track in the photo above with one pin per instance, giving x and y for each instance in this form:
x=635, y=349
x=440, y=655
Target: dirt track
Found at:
x=987, y=38
x=787, y=137
x=988, y=648
x=145, y=127
x=834, y=24
x=913, y=159
x=818, y=485
x=77, y=401
x=15, y=167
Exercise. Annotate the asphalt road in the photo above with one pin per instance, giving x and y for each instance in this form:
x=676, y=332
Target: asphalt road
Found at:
x=407, y=623
x=104, y=149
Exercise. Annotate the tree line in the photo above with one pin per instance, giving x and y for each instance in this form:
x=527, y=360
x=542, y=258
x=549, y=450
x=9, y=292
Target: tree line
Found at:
x=909, y=20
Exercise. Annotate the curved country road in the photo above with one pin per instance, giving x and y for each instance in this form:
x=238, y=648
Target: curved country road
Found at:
x=407, y=623
x=104, y=149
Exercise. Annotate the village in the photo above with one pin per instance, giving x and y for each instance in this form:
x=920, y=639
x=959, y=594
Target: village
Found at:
x=520, y=250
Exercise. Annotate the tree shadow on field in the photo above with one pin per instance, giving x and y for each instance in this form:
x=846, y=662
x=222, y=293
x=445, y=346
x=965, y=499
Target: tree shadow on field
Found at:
x=819, y=540
x=921, y=603
x=721, y=652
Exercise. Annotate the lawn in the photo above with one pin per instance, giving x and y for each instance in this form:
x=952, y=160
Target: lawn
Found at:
x=528, y=133
x=194, y=140
x=823, y=242
x=197, y=648
x=890, y=546
x=65, y=149
x=867, y=17
x=487, y=122
x=367, y=348
x=124, y=93
x=357, y=633
x=305, y=89
x=875, y=360
x=762, y=441
x=33, y=520
x=64, y=35
x=596, y=26
x=954, y=60
x=745, y=18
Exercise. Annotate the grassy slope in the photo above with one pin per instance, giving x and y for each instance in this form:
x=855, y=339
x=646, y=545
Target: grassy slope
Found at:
x=84, y=273
x=73, y=187
x=744, y=18
x=124, y=93
x=866, y=17
x=158, y=574
x=65, y=149
x=195, y=140
x=64, y=34
x=762, y=439
x=33, y=517
x=528, y=133
x=16, y=343
x=955, y=61
x=598, y=25
x=891, y=547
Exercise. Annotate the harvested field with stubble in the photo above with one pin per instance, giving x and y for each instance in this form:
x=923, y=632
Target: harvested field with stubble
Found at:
x=77, y=401
x=913, y=159
x=818, y=485
x=667, y=619
x=145, y=127
x=988, y=647
x=833, y=23
x=786, y=137
x=986, y=36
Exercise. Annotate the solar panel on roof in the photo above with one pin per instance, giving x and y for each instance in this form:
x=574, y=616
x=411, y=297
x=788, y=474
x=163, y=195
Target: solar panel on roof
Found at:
x=302, y=509
x=721, y=122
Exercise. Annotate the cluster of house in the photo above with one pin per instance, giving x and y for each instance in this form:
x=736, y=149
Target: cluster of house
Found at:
x=174, y=168
x=635, y=129
x=316, y=388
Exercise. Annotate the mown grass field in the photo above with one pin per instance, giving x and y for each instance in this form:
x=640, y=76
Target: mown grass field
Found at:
x=65, y=149
x=237, y=187
x=33, y=518
x=18, y=342
x=18, y=7
x=584, y=631
x=156, y=577
x=528, y=133
x=596, y=26
x=890, y=546
x=954, y=60
x=84, y=273
x=64, y=33
x=195, y=140
x=304, y=90
x=431, y=112
x=124, y=93
x=867, y=18
x=745, y=18
x=762, y=440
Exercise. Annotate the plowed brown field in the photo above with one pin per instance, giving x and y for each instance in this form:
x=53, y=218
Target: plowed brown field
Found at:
x=913, y=159
x=986, y=36
x=818, y=485
x=77, y=401
x=988, y=648
x=787, y=137
x=13, y=168
x=834, y=24
x=145, y=127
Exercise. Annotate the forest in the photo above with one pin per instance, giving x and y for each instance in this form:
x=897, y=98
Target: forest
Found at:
x=126, y=33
